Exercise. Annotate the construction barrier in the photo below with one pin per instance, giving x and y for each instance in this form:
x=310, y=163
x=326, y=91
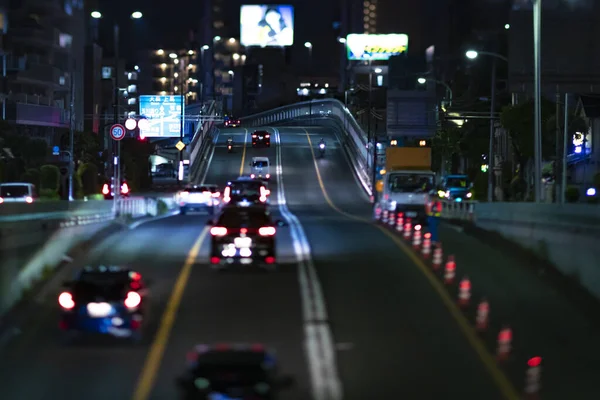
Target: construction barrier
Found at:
x=426, y=249
x=504, y=344
x=416, y=242
x=533, y=378
x=450, y=271
x=400, y=222
x=464, y=292
x=407, y=229
x=437, y=257
x=483, y=316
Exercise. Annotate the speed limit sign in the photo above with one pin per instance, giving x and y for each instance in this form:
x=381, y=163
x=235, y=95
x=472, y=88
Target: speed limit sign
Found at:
x=117, y=132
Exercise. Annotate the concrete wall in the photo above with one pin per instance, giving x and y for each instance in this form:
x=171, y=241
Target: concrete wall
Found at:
x=566, y=235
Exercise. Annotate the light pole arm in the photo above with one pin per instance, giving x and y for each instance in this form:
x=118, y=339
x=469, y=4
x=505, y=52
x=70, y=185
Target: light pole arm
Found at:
x=491, y=54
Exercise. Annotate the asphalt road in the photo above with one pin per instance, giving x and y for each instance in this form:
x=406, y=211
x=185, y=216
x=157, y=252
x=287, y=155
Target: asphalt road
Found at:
x=393, y=334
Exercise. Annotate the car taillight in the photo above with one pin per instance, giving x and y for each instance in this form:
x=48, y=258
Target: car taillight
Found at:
x=133, y=300
x=267, y=136
x=216, y=194
x=29, y=199
x=252, y=176
x=124, y=188
x=268, y=176
x=226, y=194
x=267, y=231
x=218, y=231
x=254, y=136
x=1, y=200
x=65, y=299
x=105, y=189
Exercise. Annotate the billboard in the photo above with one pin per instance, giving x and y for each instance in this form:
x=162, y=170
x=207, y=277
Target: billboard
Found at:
x=164, y=115
x=267, y=25
x=364, y=47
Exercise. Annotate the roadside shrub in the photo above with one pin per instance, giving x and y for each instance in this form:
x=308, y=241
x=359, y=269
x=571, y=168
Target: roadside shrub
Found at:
x=49, y=181
x=88, y=175
x=32, y=176
x=161, y=207
x=572, y=194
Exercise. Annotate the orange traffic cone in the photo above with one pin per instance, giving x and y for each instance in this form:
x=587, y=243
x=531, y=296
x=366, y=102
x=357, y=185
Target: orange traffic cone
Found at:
x=483, y=314
x=377, y=212
x=392, y=218
x=464, y=292
x=386, y=214
x=426, y=249
x=416, y=242
x=533, y=378
x=450, y=271
x=400, y=222
x=407, y=229
x=504, y=344
x=437, y=257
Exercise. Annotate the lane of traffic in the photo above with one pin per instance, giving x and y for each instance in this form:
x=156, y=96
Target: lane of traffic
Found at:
x=394, y=335
x=240, y=306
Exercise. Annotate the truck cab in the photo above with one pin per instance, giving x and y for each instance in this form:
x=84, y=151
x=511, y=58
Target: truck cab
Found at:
x=408, y=192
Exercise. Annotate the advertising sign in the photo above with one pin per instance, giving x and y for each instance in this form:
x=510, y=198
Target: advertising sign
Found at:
x=363, y=47
x=163, y=114
x=267, y=25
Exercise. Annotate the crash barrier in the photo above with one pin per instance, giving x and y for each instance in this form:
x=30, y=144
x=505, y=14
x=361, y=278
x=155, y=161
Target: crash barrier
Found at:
x=202, y=142
x=566, y=235
x=462, y=291
x=325, y=109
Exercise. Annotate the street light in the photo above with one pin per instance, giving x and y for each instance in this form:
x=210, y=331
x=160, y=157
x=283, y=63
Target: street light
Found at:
x=232, y=40
x=136, y=15
x=205, y=47
x=378, y=70
x=308, y=45
x=230, y=72
x=422, y=80
x=96, y=14
x=342, y=40
x=472, y=54
x=173, y=55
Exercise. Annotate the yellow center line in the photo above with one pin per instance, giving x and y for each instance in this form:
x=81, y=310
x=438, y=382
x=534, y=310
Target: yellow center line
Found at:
x=155, y=355
x=506, y=387
x=244, y=152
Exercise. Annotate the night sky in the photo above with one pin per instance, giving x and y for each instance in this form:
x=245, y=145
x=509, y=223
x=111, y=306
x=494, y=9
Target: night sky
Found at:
x=168, y=23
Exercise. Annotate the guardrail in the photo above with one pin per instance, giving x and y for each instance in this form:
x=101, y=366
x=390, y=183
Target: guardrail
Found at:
x=201, y=142
x=355, y=138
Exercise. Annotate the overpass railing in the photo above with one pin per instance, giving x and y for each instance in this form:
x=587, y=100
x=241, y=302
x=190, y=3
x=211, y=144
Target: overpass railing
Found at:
x=355, y=138
x=202, y=139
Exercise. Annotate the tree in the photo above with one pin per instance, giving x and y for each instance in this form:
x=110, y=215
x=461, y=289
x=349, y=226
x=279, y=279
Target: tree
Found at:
x=445, y=144
x=519, y=121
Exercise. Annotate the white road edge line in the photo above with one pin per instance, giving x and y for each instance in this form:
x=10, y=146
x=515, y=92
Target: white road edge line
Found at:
x=318, y=341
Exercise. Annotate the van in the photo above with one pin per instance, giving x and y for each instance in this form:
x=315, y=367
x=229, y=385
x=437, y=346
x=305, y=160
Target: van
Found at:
x=261, y=168
x=17, y=192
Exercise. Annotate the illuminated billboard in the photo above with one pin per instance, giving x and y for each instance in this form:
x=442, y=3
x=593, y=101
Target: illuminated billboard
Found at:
x=363, y=47
x=267, y=25
x=164, y=115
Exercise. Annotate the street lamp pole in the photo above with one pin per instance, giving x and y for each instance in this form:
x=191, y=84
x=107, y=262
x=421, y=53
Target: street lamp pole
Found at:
x=117, y=145
x=490, y=188
x=537, y=22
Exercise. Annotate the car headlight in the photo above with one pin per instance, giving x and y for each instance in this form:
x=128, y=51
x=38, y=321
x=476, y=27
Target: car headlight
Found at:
x=469, y=195
x=441, y=193
x=447, y=194
x=393, y=205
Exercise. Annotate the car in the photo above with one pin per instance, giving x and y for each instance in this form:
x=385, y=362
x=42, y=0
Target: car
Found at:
x=17, y=192
x=261, y=138
x=456, y=188
x=243, y=235
x=233, y=123
x=261, y=168
x=245, y=191
x=232, y=372
x=103, y=301
x=108, y=189
x=199, y=197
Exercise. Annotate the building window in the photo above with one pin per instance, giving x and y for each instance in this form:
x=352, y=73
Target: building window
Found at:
x=106, y=72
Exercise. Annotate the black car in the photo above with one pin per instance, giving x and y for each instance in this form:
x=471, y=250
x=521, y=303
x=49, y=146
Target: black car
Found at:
x=198, y=198
x=233, y=123
x=226, y=372
x=103, y=300
x=261, y=138
x=108, y=189
x=243, y=235
x=246, y=191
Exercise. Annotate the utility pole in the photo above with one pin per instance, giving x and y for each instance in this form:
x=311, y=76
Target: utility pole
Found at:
x=537, y=24
x=72, y=130
x=180, y=169
x=491, y=157
x=116, y=143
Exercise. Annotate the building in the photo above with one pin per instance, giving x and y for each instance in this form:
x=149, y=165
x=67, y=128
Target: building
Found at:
x=168, y=72
x=92, y=100
x=43, y=42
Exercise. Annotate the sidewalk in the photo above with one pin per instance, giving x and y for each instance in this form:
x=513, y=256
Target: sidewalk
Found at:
x=549, y=317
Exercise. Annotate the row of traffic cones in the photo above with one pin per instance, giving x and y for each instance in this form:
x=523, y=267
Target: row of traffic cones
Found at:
x=421, y=243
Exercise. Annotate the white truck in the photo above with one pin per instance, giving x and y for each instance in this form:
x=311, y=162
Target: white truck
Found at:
x=408, y=182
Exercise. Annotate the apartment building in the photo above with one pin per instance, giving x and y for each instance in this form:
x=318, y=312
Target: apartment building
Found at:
x=43, y=45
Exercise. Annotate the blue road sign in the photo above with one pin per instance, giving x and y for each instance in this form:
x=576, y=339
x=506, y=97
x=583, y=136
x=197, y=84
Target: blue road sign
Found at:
x=164, y=115
x=56, y=151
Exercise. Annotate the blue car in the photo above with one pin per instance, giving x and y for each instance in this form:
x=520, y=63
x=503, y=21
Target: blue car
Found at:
x=232, y=372
x=104, y=301
x=456, y=188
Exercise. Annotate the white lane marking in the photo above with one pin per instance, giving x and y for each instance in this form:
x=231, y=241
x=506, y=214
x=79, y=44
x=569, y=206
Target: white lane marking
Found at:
x=319, y=343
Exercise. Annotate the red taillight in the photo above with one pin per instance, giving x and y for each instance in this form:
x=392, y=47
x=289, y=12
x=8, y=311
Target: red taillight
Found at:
x=29, y=199
x=267, y=231
x=270, y=260
x=133, y=300
x=244, y=230
x=218, y=231
x=252, y=176
x=226, y=194
x=254, y=136
x=135, y=276
x=124, y=188
x=215, y=260
x=268, y=176
x=267, y=136
x=105, y=189
x=65, y=299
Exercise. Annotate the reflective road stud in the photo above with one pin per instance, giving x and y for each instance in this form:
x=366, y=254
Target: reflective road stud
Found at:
x=533, y=378
x=483, y=314
x=400, y=222
x=407, y=229
x=437, y=257
x=450, y=271
x=464, y=292
x=426, y=249
x=504, y=344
